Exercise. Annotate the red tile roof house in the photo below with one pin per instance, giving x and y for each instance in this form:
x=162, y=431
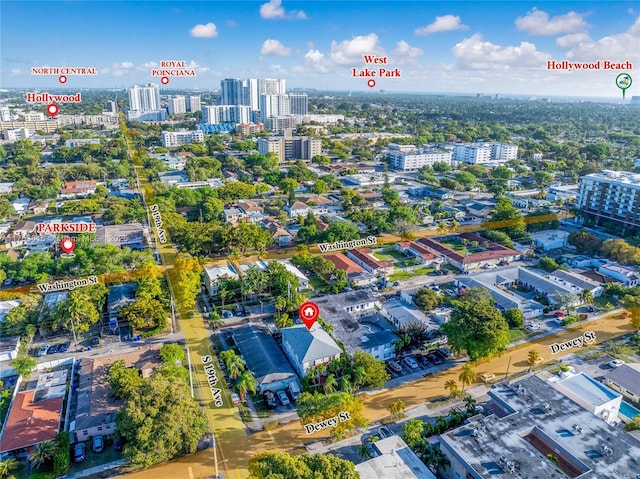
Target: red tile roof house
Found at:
x=30, y=423
x=417, y=251
x=74, y=189
x=343, y=263
x=494, y=253
x=365, y=259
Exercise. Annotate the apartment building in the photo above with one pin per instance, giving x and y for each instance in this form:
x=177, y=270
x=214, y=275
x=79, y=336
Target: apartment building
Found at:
x=410, y=158
x=289, y=147
x=183, y=137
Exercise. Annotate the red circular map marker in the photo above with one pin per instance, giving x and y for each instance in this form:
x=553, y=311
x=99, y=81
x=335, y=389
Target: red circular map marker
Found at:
x=164, y=80
x=68, y=245
x=62, y=79
x=309, y=313
x=371, y=83
x=53, y=109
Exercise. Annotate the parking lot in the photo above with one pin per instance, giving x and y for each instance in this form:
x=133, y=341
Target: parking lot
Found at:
x=411, y=363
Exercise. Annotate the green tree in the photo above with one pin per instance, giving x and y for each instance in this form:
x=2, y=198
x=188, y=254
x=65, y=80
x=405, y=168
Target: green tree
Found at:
x=330, y=384
x=470, y=404
x=548, y=264
x=284, y=321
x=186, y=273
x=6, y=467
x=246, y=383
x=234, y=363
x=621, y=251
x=585, y=242
x=122, y=380
x=467, y=375
x=24, y=366
x=172, y=353
x=145, y=313
x=159, y=421
x=313, y=408
x=42, y=453
x=508, y=219
x=62, y=457
x=451, y=386
x=476, y=327
x=376, y=375
x=341, y=231
x=426, y=299
x=396, y=408
x=281, y=465
x=514, y=318
x=533, y=357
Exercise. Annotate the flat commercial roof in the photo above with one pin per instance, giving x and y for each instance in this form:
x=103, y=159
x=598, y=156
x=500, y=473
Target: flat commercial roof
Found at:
x=587, y=389
x=397, y=461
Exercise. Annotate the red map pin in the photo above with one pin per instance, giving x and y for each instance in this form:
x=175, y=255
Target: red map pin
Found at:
x=53, y=109
x=309, y=312
x=68, y=245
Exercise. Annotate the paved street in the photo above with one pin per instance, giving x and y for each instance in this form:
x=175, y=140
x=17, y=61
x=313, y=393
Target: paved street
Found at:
x=290, y=436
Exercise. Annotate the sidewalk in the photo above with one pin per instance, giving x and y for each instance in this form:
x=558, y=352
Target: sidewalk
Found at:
x=96, y=469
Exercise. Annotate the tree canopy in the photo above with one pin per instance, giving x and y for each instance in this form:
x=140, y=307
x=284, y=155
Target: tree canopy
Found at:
x=281, y=465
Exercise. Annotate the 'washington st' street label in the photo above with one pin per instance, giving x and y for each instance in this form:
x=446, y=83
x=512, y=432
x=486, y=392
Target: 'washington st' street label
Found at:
x=338, y=245
x=586, y=338
x=67, y=285
x=212, y=380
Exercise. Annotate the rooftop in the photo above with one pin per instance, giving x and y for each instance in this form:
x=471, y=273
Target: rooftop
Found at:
x=262, y=355
x=587, y=389
x=627, y=376
x=30, y=422
x=342, y=262
x=397, y=461
x=493, y=251
x=310, y=345
x=533, y=420
x=404, y=313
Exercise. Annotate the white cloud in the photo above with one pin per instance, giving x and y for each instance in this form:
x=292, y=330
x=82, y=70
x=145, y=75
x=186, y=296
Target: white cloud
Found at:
x=16, y=71
x=618, y=48
x=352, y=50
x=537, y=22
x=315, y=60
x=150, y=65
x=274, y=47
x=476, y=54
x=404, y=50
x=123, y=65
x=446, y=23
x=204, y=31
x=273, y=10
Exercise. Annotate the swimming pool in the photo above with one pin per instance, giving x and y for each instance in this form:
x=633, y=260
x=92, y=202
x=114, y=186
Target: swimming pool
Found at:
x=628, y=411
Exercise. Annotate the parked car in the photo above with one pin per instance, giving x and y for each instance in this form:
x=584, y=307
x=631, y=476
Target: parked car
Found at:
x=384, y=432
x=78, y=452
x=64, y=347
x=235, y=399
x=559, y=314
x=117, y=444
x=434, y=359
x=486, y=377
x=395, y=367
x=282, y=396
x=410, y=362
x=616, y=363
x=269, y=399
x=95, y=342
x=52, y=349
x=422, y=359
x=98, y=444
x=43, y=349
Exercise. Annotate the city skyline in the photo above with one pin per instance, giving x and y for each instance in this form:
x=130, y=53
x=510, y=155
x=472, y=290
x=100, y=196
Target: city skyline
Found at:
x=439, y=48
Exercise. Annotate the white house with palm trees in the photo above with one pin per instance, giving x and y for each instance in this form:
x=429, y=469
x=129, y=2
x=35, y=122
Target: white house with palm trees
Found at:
x=306, y=348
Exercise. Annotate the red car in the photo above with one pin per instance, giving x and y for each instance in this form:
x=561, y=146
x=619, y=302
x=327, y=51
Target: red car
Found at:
x=559, y=314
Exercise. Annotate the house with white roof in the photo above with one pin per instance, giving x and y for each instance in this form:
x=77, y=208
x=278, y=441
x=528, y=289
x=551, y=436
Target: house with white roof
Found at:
x=627, y=275
x=306, y=348
x=213, y=276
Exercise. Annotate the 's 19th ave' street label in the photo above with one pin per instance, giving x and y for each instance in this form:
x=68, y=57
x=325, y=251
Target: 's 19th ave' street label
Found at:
x=212, y=380
x=157, y=221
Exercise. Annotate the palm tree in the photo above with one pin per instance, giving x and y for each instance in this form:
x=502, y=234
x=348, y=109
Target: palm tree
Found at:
x=283, y=321
x=534, y=357
x=42, y=452
x=359, y=375
x=470, y=404
x=346, y=386
x=451, y=386
x=586, y=296
x=454, y=225
x=455, y=418
x=467, y=376
x=7, y=466
x=215, y=320
x=363, y=452
x=234, y=363
x=246, y=383
x=330, y=384
x=441, y=423
x=442, y=227
x=281, y=303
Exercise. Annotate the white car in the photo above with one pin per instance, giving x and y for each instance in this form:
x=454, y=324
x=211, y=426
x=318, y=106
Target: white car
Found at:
x=616, y=363
x=410, y=362
x=282, y=395
x=43, y=349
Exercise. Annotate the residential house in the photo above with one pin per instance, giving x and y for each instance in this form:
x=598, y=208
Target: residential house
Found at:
x=21, y=205
x=263, y=357
x=356, y=275
x=481, y=209
x=129, y=235
x=39, y=207
x=233, y=215
x=393, y=459
x=577, y=283
x=281, y=236
x=626, y=380
x=213, y=276
x=6, y=306
x=550, y=239
x=254, y=211
x=119, y=296
x=402, y=314
x=297, y=209
x=417, y=251
x=78, y=189
x=303, y=281
x=9, y=348
x=306, y=348
x=364, y=257
x=546, y=287
x=627, y=275
x=6, y=188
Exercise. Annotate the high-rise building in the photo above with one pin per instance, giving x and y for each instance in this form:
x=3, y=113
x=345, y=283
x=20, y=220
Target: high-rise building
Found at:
x=177, y=105
x=611, y=196
x=273, y=86
x=194, y=103
x=479, y=153
x=182, y=137
x=219, y=114
x=410, y=158
x=298, y=103
x=112, y=107
x=290, y=147
x=274, y=105
x=5, y=115
x=231, y=90
x=144, y=98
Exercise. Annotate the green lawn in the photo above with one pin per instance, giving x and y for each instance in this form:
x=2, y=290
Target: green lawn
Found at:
x=318, y=283
x=515, y=334
x=400, y=275
x=109, y=454
x=381, y=257
x=460, y=248
x=395, y=254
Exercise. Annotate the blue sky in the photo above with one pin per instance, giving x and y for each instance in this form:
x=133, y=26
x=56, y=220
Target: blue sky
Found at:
x=465, y=46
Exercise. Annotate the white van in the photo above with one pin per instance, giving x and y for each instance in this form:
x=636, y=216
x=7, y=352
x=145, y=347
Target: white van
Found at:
x=294, y=389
